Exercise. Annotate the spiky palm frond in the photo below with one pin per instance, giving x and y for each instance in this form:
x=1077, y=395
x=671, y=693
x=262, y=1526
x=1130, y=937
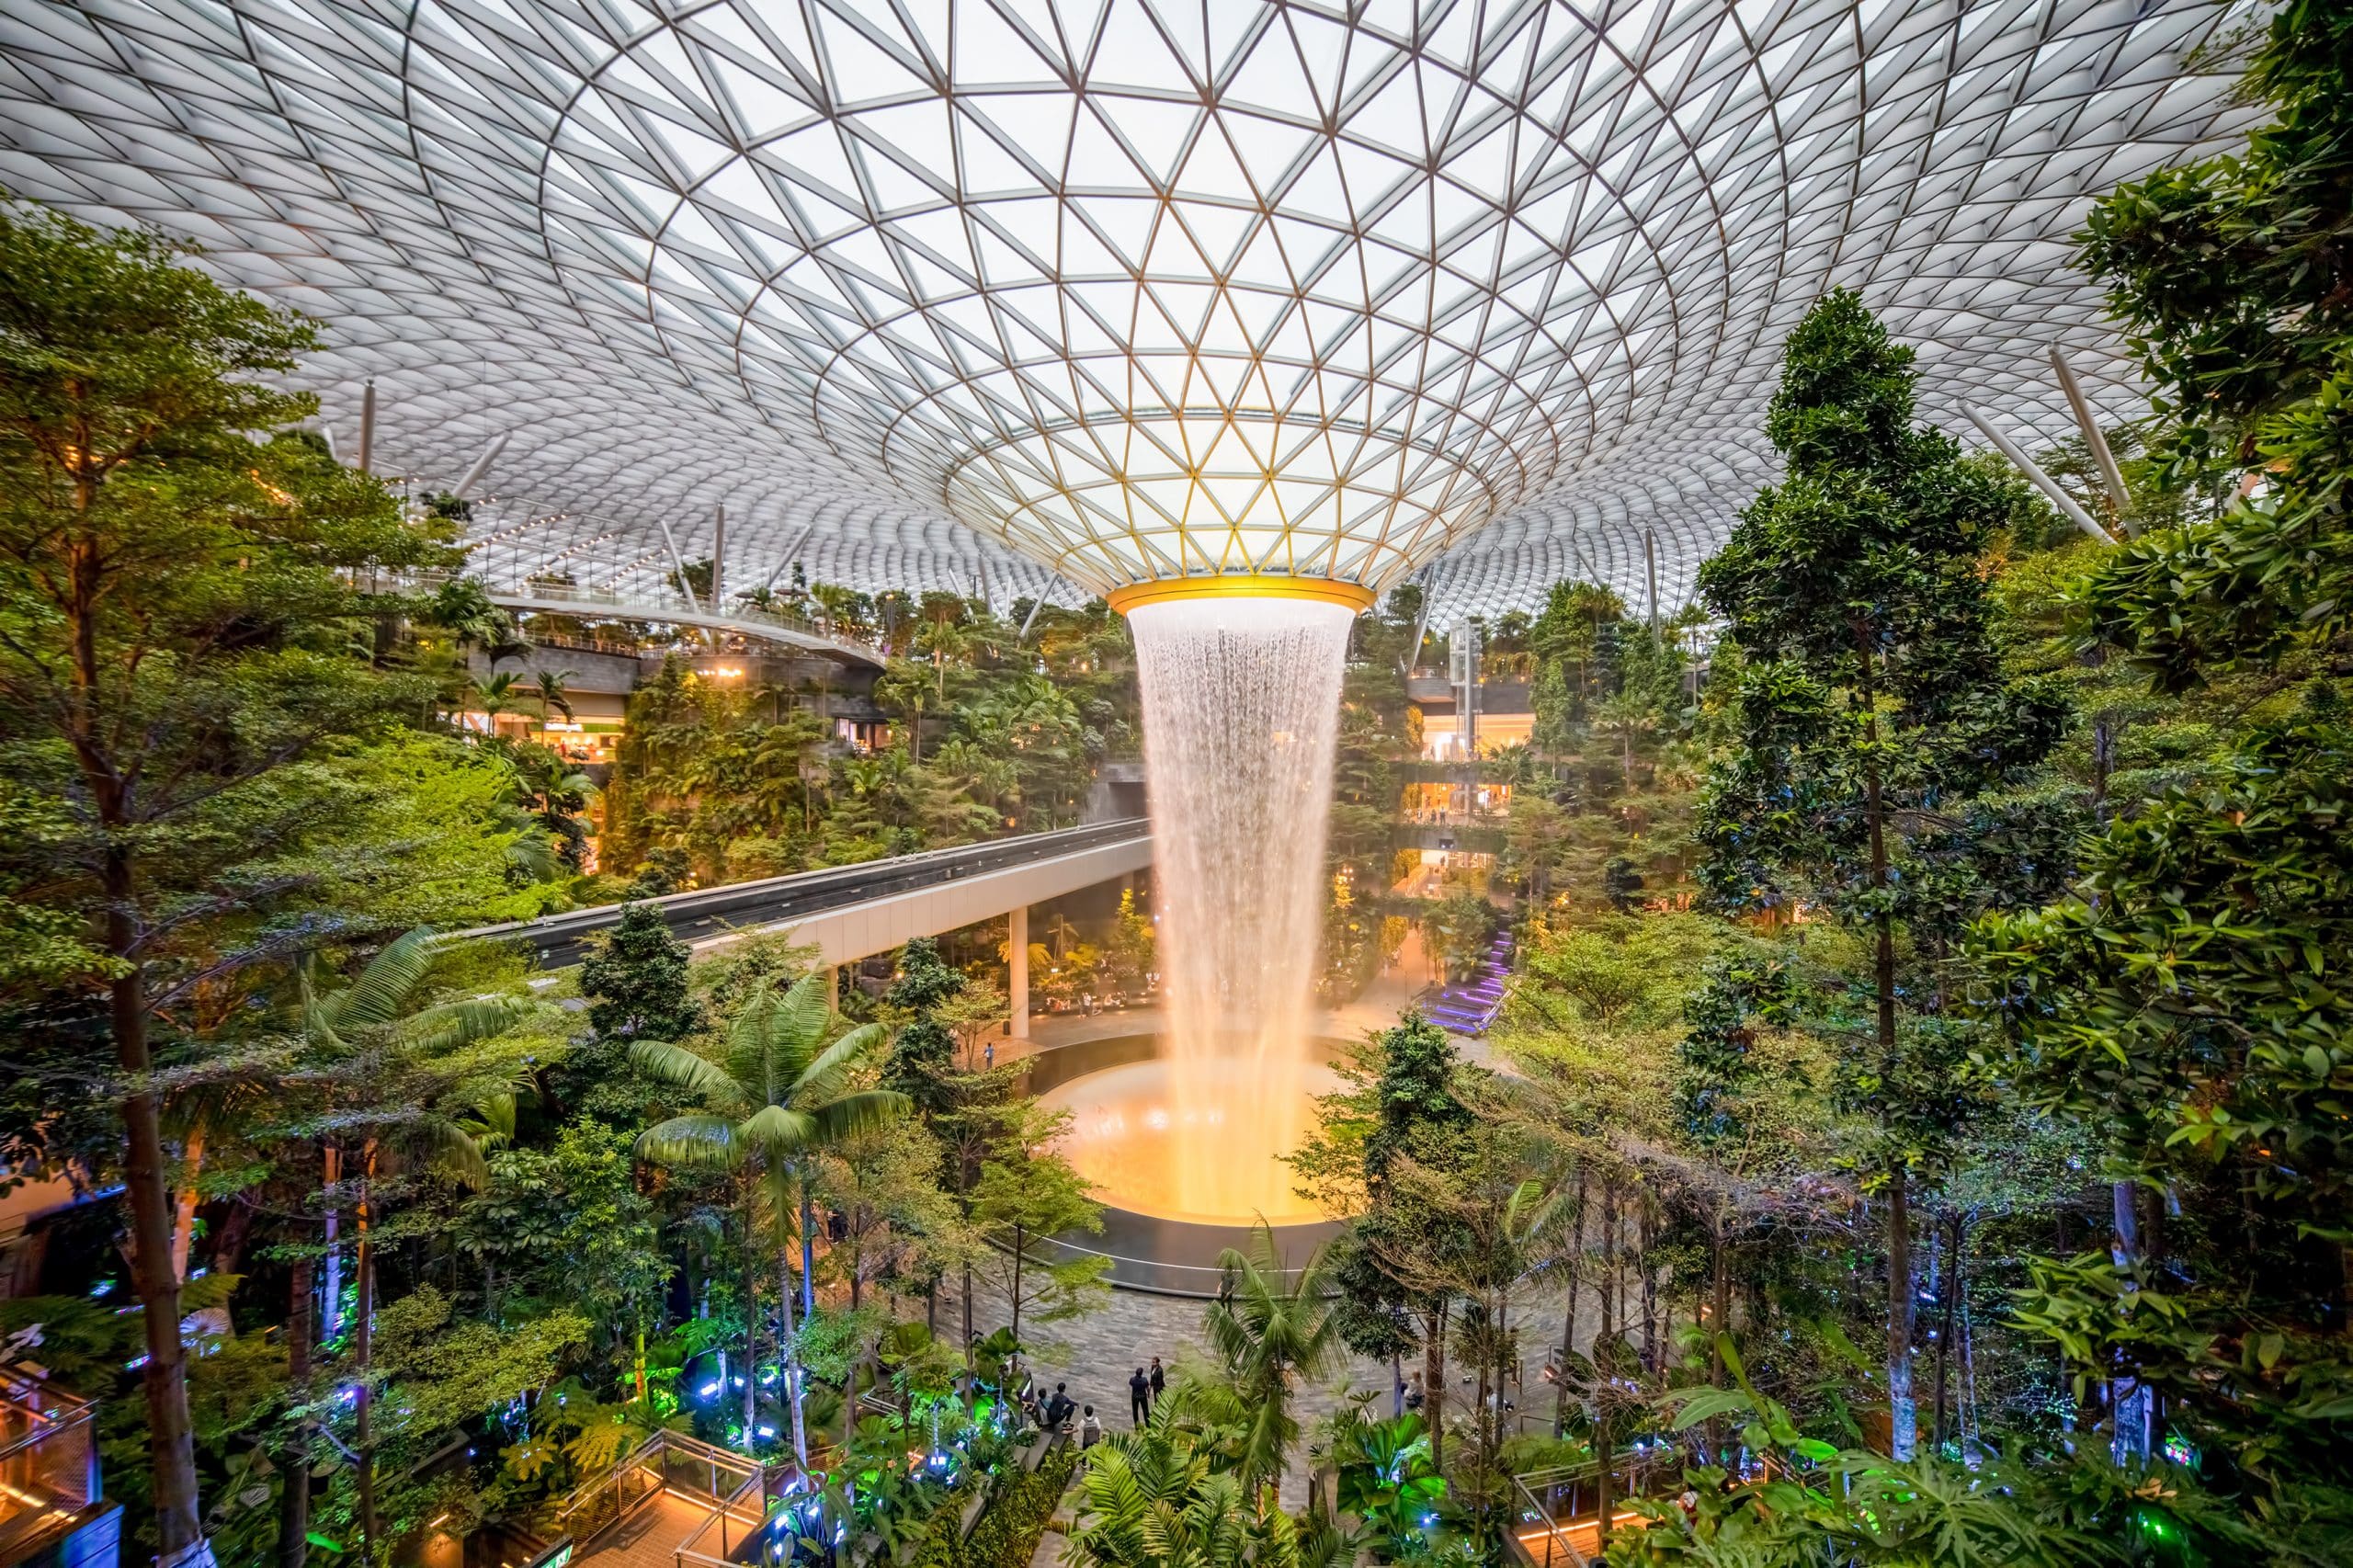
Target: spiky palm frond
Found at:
x=682, y=1069
x=380, y=994
x=850, y=1115
x=780, y=1132
x=443, y=1145
x=822, y=1076
x=699, y=1141
x=469, y=1020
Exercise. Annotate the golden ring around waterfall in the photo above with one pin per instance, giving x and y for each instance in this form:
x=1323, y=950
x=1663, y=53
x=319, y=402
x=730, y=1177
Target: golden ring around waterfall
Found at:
x=1355, y=597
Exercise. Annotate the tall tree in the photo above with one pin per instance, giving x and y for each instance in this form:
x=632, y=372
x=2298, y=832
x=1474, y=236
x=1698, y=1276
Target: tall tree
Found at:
x=779, y=1095
x=636, y=980
x=1024, y=1199
x=923, y=1053
x=177, y=634
x=1870, y=700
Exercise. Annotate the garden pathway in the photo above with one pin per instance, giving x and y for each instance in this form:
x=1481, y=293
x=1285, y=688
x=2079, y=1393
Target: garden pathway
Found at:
x=647, y=1539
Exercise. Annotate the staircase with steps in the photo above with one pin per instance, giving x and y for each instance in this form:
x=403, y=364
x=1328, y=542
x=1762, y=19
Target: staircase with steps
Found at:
x=1468, y=1008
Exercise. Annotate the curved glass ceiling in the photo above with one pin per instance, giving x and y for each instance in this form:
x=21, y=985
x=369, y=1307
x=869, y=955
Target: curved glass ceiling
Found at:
x=1489, y=292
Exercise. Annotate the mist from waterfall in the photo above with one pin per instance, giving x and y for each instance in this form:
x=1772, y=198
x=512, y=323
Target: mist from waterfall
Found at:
x=1241, y=710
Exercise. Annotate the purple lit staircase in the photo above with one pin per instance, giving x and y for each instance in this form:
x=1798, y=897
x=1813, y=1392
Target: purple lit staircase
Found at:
x=1470, y=1007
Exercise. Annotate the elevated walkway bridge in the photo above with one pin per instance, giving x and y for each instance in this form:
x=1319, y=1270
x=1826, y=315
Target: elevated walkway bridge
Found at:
x=848, y=913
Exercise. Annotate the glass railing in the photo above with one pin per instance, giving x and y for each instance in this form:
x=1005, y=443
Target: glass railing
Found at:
x=48, y=1462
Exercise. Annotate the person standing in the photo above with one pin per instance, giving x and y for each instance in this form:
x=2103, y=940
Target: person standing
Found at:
x=1090, y=1431
x=1139, y=1398
x=1158, y=1380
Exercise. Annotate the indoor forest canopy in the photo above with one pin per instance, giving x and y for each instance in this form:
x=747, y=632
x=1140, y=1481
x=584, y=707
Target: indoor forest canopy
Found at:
x=1848, y=1065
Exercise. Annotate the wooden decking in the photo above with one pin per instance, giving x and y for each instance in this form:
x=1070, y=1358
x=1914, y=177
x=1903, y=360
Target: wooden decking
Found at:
x=1583, y=1534
x=647, y=1539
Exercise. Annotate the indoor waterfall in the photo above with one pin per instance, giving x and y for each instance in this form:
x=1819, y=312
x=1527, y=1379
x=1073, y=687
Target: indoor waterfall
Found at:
x=1241, y=704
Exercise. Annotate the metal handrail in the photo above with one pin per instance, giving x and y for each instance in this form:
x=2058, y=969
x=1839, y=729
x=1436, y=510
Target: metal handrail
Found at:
x=1631, y=1470
x=1554, y=1540
x=577, y=1518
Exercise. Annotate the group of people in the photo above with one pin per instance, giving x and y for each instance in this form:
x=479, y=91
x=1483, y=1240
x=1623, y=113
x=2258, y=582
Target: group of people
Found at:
x=1053, y=1412
x=1144, y=1389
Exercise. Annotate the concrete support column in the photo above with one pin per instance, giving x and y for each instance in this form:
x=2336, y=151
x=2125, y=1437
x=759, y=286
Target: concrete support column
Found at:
x=1016, y=963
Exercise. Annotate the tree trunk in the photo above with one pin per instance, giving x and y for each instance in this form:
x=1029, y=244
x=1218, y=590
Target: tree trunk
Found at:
x=1650, y=1287
x=147, y=1192
x=183, y=1203
x=228, y=1251
x=1720, y=1325
x=1903, y=1418
x=1605, y=1383
x=1434, y=1380
x=331, y=1298
x=808, y=1249
x=1569, y=1315
x=792, y=1394
x=751, y=1325
x=1951, y=1295
x=293, y=1459
x=1020, y=1246
x=2128, y=1401
x=363, y=1333
x=1903, y=1411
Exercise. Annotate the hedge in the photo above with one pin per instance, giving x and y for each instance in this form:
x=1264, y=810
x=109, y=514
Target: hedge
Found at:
x=1009, y=1530
x=1007, y=1534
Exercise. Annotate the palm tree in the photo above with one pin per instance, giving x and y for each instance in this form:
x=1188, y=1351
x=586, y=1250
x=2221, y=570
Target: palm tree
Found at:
x=497, y=695
x=557, y=795
x=1271, y=1329
x=553, y=697
x=780, y=1095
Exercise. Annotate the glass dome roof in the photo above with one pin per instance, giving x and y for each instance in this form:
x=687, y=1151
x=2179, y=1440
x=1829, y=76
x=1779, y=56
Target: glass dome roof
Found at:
x=1484, y=292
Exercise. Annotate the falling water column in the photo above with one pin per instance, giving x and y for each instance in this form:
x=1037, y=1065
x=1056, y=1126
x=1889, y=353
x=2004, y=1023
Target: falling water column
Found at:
x=1241, y=704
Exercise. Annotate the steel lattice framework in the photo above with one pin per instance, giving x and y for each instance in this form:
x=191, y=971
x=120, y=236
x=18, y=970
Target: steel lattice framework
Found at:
x=1491, y=291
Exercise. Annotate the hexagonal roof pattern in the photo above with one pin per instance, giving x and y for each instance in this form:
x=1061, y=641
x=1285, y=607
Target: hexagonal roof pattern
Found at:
x=1483, y=293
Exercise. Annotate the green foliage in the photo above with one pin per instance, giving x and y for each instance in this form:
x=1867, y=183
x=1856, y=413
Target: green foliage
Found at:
x=440, y=1370
x=923, y=1053
x=1386, y=1477
x=2229, y=277
x=1615, y=972
x=1717, y=1063
x=1153, y=1500
x=1414, y=1102
x=1269, y=1329
x=569, y=1224
x=2189, y=1005
x=1027, y=1194
x=636, y=980
x=1007, y=1534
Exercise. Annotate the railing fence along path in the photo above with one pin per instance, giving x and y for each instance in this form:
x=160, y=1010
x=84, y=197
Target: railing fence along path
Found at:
x=712, y=1482
x=1561, y=1507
